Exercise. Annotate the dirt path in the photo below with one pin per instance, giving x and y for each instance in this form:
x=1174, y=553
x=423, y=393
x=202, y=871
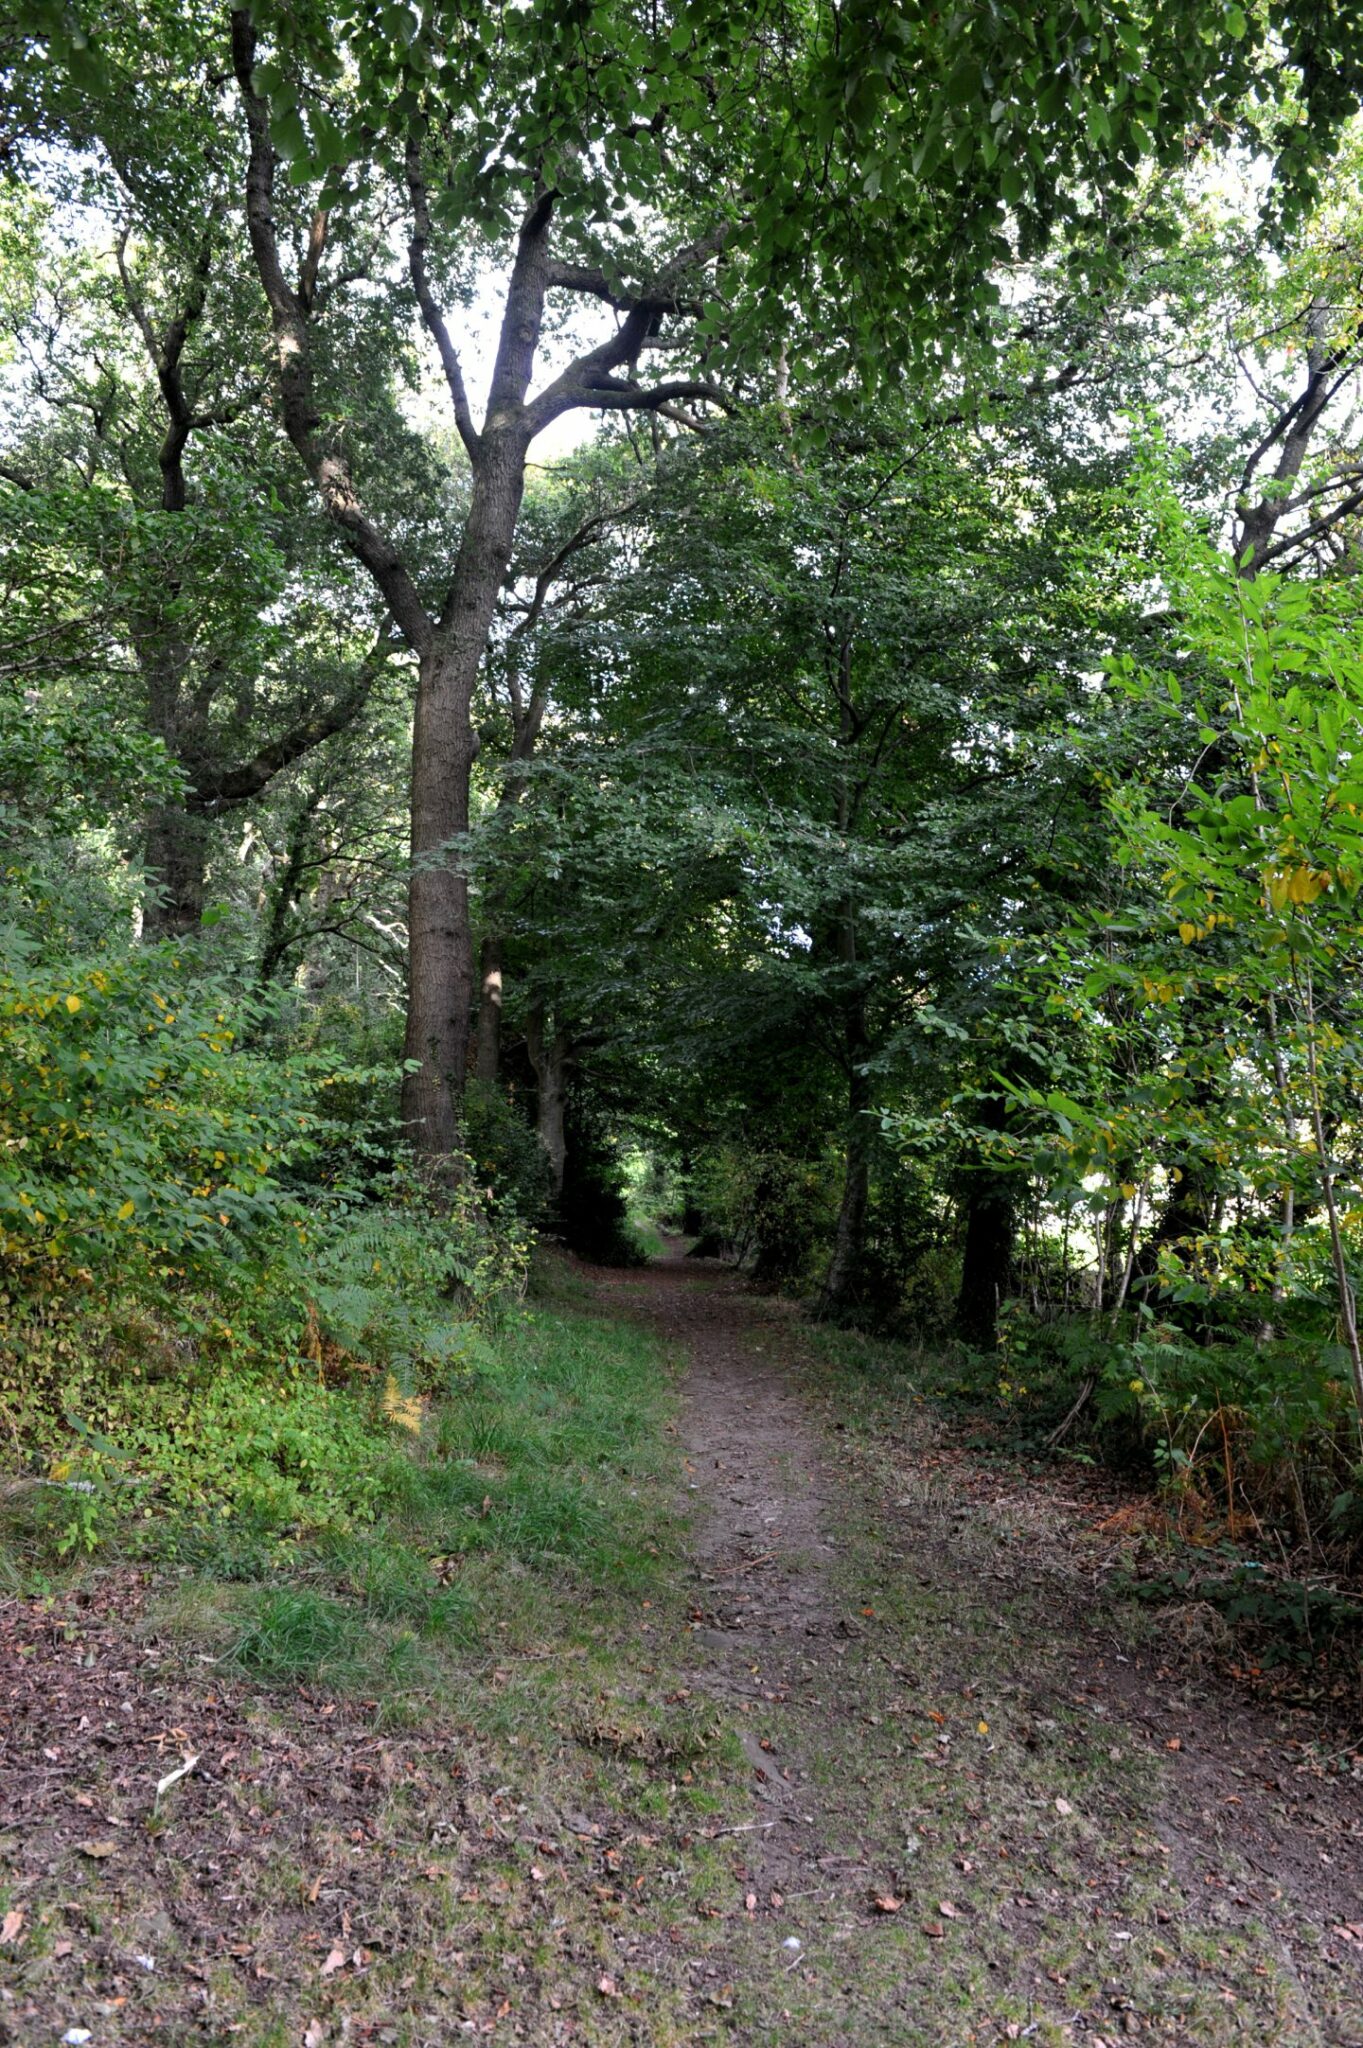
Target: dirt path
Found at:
x=982, y=1811
x=865, y=1759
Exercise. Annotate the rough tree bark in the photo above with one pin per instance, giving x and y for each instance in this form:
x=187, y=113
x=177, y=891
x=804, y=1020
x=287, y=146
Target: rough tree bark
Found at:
x=987, y=1253
x=550, y=1055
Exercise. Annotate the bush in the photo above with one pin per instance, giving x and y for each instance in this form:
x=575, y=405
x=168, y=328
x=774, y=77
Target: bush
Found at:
x=769, y=1208
x=594, y=1207
x=509, y=1161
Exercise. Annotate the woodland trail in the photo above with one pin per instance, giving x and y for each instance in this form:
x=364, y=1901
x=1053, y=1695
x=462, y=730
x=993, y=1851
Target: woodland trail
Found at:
x=868, y=1758
x=984, y=1811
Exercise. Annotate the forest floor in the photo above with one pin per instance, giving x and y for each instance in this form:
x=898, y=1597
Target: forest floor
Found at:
x=877, y=1760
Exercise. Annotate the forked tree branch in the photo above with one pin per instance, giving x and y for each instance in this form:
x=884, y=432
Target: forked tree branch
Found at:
x=322, y=459
x=436, y=324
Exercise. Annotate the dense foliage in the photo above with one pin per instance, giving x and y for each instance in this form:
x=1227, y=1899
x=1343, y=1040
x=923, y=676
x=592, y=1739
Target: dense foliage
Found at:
x=891, y=786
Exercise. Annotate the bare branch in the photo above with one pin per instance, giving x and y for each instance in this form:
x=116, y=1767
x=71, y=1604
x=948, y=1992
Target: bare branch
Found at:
x=577, y=277
x=324, y=462
x=436, y=325
x=312, y=261
x=238, y=785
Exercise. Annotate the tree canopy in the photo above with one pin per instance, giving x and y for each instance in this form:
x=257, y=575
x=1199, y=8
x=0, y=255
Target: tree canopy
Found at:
x=764, y=605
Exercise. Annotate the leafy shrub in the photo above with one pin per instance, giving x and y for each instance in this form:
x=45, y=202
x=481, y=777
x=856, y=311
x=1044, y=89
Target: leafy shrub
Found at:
x=768, y=1208
x=510, y=1163
x=593, y=1207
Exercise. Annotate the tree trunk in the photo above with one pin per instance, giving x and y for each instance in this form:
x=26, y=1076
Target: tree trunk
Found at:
x=444, y=745
x=489, y=1052
x=549, y=1057
x=176, y=857
x=987, y=1258
x=839, y=1289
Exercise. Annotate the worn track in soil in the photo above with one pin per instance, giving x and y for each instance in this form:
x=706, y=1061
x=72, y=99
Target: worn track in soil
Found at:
x=1263, y=1861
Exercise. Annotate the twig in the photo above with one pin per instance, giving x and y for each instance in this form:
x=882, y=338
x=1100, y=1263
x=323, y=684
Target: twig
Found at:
x=746, y=1827
x=1073, y=1416
x=749, y=1564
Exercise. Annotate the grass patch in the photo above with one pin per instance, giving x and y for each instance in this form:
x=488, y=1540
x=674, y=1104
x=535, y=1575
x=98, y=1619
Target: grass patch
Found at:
x=533, y=1497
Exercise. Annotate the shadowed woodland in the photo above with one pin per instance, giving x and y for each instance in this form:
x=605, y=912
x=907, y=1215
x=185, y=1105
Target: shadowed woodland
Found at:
x=681, y=808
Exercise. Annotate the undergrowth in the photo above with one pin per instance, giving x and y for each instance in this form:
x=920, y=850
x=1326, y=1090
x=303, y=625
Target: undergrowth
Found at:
x=1197, y=1541
x=530, y=1492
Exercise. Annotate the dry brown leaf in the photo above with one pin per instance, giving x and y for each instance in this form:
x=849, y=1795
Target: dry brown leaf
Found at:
x=750, y=1902
x=1062, y=1806
x=335, y=1961
x=886, y=1902
x=947, y=1910
x=315, y=2035
x=12, y=1925
x=607, y=1985
x=934, y=1930
x=99, y=1850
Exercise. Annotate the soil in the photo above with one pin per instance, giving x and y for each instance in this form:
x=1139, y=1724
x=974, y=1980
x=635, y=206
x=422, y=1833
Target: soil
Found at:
x=968, y=1802
x=1241, y=1803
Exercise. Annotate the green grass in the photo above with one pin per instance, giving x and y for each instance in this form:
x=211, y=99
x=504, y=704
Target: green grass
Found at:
x=647, y=1235
x=533, y=1495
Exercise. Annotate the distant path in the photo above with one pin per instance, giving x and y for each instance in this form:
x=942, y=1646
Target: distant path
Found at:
x=984, y=1815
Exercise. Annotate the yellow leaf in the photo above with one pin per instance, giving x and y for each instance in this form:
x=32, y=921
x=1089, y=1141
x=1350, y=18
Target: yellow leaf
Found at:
x=406, y=1410
x=73, y=1004
x=983, y=1728
x=1187, y=932
x=128, y=1209
x=1129, y=1190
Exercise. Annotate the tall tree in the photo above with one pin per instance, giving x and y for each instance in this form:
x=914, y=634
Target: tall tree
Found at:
x=716, y=187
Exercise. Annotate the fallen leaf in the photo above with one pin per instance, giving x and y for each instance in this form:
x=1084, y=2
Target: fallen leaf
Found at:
x=934, y=1930
x=607, y=1985
x=982, y=1728
x=172, y=1778
x=750, y=1902
x=1062, y=1806
x=1173, y=1743
x=886, y=1902
x=536, y=1874
x=335, y=1961
x=947, y=1910
x=315, y=2035
x=12, y=1924
x=99, y=1850
x=62, y=1948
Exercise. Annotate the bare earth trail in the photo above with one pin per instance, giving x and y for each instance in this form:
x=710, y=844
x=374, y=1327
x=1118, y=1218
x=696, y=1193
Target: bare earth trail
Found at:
x=867, y=1758
x=983, y=1810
